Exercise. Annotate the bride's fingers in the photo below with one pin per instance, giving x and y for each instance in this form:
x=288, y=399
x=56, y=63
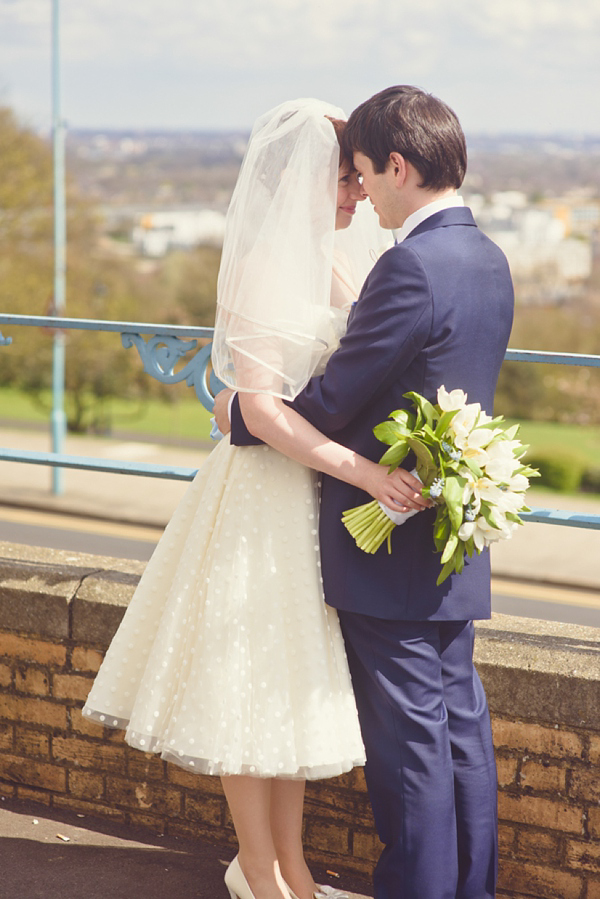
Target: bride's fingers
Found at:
x=407, y=494
x=400, y=502
x=402, y=478
x=402, y=494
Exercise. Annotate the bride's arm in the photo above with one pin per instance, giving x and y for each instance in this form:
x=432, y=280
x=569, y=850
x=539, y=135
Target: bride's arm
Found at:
x=269, y=419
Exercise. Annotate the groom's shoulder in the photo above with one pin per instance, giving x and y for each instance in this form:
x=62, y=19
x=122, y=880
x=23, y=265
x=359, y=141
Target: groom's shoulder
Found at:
x=398, y=273
x=398, y=263
x=398, y=256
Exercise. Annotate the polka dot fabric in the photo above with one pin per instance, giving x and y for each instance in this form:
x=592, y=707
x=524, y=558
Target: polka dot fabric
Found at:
x=228, y=661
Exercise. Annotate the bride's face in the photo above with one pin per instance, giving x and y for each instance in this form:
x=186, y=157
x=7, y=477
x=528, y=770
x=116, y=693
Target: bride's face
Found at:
x=349, y=193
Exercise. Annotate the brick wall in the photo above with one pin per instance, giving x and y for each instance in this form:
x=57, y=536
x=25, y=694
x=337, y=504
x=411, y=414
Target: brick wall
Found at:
x=58, y=612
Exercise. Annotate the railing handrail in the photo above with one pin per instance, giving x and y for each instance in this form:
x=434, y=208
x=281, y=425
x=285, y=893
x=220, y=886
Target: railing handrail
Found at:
x=56, y=323
x=551, y=358
x=90, y=463
x=177, y=340
x=200, y=332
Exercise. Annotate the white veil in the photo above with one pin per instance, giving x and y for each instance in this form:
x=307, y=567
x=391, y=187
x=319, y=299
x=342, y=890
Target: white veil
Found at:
x=274, y=286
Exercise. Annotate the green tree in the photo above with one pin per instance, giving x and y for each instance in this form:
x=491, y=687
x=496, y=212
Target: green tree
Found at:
x=189, y=280
x=98, y=286
x=553, y=392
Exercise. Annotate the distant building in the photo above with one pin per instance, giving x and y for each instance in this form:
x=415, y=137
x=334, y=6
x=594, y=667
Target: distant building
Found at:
x=156, y=233
x=541, y=242
x=580, y=216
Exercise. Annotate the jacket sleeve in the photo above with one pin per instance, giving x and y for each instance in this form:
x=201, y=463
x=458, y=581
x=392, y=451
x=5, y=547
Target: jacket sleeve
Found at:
x=240, y=435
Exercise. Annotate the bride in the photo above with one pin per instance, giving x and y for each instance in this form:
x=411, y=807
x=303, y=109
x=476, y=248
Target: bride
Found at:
x=227, y=661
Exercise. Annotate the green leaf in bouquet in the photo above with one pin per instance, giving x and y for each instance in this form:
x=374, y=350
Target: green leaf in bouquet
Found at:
x=452, y=469
x=429, y=432
x=444, y=422
x=425, y=462
x=453, y=494
x=441, y=528
x=528, y=472
x=426, y=409
x=450, y=547
x=395, y=454
x=489, y=517
x=520, y=449
x=493, y=423
x=512, y=432
x=405, y=419
x=389, y=432
x=470, y=547
x=445, y=572
x=472, y=466
x=459, y=559
x=512, y=516
x=455, y=563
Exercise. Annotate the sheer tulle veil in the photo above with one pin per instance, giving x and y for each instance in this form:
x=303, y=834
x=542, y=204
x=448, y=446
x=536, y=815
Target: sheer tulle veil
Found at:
x=280, y=248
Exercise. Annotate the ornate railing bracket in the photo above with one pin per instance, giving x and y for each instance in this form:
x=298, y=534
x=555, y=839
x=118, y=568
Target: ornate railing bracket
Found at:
x=161, y=354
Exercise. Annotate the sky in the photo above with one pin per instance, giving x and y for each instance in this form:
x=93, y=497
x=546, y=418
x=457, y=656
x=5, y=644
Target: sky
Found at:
x=520, y=66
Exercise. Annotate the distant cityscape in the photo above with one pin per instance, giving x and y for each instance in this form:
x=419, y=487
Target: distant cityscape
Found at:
x=537, y=197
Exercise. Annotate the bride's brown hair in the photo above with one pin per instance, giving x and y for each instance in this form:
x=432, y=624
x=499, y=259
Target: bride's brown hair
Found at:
x=339, y=126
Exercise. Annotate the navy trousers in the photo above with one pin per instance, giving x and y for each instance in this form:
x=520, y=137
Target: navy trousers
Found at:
x=430, y=767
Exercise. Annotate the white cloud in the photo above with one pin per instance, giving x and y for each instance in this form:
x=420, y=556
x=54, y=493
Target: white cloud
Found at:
x=216, y=53
x=262, y=32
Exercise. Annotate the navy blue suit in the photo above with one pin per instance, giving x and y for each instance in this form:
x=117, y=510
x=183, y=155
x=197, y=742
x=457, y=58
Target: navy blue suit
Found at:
x=436, y=309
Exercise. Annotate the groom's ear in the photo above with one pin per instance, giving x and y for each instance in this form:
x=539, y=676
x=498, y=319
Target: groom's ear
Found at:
x=397, y=163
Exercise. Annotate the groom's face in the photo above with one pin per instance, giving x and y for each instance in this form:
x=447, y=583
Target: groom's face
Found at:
x=381, y=190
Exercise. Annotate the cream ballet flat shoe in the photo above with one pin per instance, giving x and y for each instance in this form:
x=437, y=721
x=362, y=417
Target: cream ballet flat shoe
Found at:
x=236, y=883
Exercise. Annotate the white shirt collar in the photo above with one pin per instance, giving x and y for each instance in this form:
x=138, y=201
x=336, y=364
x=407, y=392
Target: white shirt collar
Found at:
x=419, y=215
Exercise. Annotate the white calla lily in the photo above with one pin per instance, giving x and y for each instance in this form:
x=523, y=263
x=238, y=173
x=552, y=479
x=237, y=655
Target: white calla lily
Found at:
x=518, y=483
x=466, y=530
x=448, y=401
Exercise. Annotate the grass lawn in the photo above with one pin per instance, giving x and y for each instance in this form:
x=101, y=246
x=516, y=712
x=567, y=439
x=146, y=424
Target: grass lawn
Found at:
x=186, y=418
x=581, y=441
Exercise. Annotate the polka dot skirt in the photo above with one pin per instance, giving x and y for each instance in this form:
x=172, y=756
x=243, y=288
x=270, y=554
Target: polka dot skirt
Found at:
x=228, y=661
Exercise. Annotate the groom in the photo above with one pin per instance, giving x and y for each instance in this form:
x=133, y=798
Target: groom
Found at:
x=436, y=309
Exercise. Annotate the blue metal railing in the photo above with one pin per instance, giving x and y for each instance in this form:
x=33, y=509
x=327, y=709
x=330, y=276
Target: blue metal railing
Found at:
x=168, y=344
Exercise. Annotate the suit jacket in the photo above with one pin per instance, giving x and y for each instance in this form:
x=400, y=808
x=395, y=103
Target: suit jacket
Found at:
x=436, y=309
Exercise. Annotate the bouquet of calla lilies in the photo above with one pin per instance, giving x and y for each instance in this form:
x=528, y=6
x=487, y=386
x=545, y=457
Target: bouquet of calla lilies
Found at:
x=470, y=468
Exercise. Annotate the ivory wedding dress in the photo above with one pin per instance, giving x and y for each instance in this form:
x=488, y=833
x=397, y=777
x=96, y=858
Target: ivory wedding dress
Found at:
x=228, y=660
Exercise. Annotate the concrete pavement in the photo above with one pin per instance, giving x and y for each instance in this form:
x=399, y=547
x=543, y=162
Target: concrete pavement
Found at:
x=52, y=854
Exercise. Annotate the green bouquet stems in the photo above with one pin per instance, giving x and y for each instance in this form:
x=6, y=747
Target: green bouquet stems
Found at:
x=370, y=526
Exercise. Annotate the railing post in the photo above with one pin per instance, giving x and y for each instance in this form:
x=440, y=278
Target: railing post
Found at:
x=59, y=300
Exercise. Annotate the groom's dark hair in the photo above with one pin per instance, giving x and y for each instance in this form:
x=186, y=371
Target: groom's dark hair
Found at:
x=409, y=121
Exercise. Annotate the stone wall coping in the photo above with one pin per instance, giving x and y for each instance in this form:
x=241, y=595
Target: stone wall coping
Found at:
x=539, y=670
x=552, y=647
